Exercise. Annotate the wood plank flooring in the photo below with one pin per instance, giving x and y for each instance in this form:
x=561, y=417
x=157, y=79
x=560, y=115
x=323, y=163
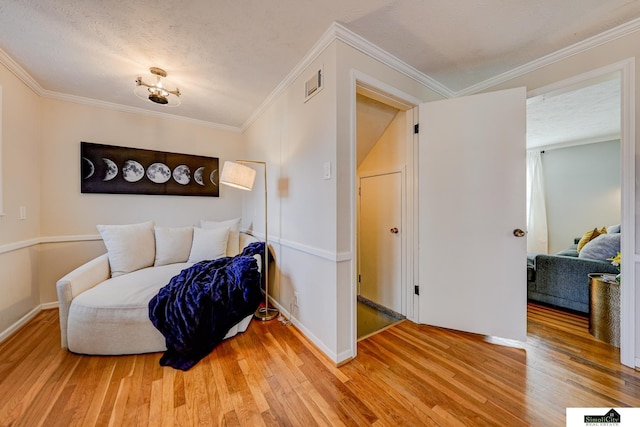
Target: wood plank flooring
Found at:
x=407, y=375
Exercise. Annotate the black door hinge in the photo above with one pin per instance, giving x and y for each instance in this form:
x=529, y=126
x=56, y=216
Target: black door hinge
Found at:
x=416, y=290
x=416, y=128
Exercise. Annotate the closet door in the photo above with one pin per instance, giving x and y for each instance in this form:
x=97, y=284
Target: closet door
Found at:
x=471, y=180
x=381, y=240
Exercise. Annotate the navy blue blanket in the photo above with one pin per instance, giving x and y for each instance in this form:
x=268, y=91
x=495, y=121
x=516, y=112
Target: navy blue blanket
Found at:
x=198, y=307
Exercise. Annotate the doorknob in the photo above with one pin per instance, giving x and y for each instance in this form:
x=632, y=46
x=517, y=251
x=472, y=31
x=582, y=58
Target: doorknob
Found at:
x=394, y=230
x=519, y=233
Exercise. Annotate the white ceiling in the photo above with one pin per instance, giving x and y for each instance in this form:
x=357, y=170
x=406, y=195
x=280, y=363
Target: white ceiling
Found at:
x=583, y=114
x=227, y=57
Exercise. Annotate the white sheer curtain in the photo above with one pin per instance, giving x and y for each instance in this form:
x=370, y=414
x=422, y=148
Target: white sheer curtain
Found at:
x=537, y=235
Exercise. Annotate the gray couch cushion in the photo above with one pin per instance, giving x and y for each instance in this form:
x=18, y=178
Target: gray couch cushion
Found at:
x=570, y=251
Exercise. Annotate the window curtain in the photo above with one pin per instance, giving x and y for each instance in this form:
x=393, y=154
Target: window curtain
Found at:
x=537, y=234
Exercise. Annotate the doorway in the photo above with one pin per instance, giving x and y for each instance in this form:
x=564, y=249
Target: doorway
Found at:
x=381, y=142
x=628, y=297
x=622, y=76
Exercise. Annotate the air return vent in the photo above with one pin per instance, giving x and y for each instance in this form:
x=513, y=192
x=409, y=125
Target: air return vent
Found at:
x=313, y=85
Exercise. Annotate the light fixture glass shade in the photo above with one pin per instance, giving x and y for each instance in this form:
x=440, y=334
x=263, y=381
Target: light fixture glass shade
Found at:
x=157, y=92
x=238, y=175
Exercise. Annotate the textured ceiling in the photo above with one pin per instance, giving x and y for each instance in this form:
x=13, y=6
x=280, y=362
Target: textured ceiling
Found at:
x=227, y=57
x=582, y=114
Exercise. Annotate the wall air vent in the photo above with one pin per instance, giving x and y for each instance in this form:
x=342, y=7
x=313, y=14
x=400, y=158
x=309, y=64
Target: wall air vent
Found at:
x=313, y=85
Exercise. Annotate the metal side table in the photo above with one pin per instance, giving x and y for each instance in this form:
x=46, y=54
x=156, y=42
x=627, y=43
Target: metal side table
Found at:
x=604, y=308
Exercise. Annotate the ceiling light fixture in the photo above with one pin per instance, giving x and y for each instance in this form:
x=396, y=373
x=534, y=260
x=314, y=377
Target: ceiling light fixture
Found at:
x=157, y=92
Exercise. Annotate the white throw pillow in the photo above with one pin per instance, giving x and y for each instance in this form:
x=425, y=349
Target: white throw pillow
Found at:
x=233, y=244
x=129, y=247
x=173, y=244
x=208, y=244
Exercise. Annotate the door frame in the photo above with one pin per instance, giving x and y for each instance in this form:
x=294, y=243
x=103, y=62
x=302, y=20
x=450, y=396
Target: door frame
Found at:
x=385, y=93
x=626, y=69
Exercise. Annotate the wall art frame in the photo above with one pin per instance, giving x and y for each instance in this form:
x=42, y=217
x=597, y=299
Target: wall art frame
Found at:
x=113, y=169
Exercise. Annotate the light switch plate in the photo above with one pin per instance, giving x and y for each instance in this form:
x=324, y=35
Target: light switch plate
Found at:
x=326, y=170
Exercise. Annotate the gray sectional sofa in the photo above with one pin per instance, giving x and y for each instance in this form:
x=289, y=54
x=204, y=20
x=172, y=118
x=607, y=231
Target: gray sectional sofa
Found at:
x=562, y=279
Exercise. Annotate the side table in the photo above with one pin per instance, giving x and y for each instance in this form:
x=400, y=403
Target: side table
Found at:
x=604, y=308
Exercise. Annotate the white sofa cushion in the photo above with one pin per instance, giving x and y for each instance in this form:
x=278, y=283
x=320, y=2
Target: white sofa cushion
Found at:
x=233, y=243
x=130, y=247
x=113, y=316
x=208, y=244
x=173, y=244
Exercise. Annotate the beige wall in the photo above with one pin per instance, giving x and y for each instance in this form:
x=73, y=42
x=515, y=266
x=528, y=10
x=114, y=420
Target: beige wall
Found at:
x=389, y=152
x=41, y=148
x=21, y=171
x=68, y=212
x=21, y=160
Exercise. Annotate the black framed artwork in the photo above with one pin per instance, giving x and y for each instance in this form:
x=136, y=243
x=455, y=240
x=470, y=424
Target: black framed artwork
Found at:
x=122, y=170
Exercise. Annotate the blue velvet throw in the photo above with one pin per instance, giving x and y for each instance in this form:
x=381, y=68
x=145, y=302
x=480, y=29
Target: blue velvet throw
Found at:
x=196, y=309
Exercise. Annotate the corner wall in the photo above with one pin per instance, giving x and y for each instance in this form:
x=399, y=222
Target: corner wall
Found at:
x=312, y=219
x=21, y=171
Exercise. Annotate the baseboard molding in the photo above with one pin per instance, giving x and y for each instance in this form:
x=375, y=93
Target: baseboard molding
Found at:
x=25, y=319
x=49, y=305
x=338, y=359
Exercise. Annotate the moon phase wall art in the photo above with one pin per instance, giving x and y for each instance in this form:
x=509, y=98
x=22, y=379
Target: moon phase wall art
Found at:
x=121, y=170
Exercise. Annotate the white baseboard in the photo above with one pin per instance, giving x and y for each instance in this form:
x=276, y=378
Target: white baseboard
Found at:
x=25, y=319
x=49, y=305
x=310, y=336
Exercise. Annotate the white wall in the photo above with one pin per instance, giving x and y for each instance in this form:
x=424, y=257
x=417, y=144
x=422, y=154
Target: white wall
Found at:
x=311, y=220
x=296, y=138
x=582, y=190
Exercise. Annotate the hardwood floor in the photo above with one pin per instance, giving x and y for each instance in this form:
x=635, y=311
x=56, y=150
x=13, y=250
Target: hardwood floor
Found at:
x=407, y=375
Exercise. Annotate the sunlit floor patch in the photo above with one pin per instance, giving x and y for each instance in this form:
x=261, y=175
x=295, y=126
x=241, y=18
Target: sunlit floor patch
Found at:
x=373, y=318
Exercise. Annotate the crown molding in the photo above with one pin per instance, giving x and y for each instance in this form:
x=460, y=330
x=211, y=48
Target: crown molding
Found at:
x=337, y=31
x=20, y=73
x=559, y=55
x=135, y=110
x=363, y=45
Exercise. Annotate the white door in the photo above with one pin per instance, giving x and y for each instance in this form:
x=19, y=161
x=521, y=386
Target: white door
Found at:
x=380, y=240
x=472, y=270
